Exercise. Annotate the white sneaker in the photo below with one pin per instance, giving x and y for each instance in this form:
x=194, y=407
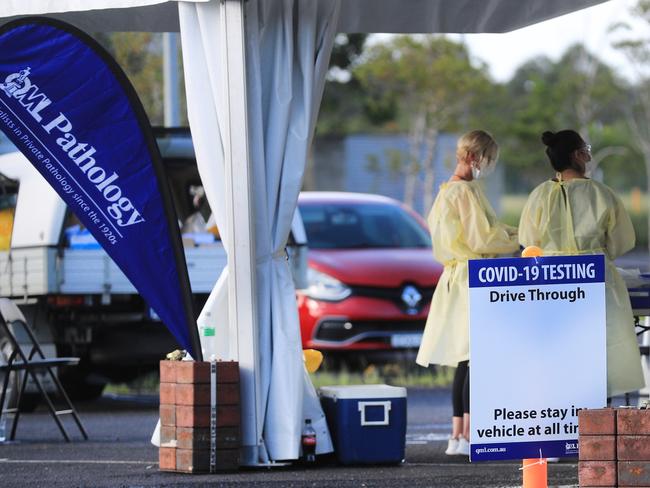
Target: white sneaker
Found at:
x=463, y=447
x=452, y=447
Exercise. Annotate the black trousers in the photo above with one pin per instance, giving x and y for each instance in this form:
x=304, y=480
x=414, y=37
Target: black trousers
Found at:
x=460, y=389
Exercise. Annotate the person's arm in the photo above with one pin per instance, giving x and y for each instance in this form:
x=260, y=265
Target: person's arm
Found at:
x=481, y=236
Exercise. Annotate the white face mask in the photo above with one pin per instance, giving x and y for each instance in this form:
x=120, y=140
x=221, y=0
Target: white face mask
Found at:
x=482, y=169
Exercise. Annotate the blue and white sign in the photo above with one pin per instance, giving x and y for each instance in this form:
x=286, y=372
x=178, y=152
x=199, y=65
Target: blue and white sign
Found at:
x=537, y=353
x=71, y=110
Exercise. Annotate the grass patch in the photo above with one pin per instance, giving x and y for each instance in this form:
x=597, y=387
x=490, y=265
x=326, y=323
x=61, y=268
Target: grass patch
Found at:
x=395, y=374
x=146, y=384
x=392, y=374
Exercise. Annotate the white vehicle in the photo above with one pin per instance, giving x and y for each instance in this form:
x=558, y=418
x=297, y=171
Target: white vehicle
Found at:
x=73, y=294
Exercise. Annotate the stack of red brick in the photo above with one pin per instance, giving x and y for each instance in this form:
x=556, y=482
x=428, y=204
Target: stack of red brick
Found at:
x=614, y=447
x=185, y=395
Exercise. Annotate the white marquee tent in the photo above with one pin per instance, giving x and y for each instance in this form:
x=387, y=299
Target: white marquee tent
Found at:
x=254, y=73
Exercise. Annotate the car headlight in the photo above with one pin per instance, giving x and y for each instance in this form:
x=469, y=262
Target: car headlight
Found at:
x=321, y=286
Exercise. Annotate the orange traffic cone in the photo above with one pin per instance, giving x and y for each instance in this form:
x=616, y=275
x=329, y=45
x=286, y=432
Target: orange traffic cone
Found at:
x=535, y=473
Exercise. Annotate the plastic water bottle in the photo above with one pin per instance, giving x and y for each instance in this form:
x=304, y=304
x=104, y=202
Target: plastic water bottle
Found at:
x=308, y=441
x=208, y=338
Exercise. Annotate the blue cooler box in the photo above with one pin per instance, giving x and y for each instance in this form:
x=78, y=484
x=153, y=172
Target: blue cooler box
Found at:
x=367, y=422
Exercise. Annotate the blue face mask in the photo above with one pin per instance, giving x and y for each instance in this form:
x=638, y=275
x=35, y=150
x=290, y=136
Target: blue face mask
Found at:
x=476, y=173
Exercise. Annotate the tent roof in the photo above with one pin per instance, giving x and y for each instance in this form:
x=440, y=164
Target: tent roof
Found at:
x=396, y=16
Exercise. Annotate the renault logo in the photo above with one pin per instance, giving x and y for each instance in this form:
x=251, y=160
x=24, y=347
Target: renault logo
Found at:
x=411, y=296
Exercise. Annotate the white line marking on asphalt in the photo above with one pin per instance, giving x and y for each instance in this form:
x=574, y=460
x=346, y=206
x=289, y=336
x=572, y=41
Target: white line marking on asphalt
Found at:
x=70, y=461
x=425, y=438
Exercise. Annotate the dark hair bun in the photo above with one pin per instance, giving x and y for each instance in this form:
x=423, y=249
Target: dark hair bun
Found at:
x=548, y=138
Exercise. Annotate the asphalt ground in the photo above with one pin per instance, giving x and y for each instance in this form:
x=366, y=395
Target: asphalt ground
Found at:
x=119, y=454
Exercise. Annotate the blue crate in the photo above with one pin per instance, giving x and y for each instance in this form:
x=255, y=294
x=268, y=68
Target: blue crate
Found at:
x=367, y=422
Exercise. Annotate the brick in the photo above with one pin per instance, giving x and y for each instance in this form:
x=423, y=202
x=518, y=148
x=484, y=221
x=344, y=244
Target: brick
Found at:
x=198, y=461
x=168, y=371
x=199, y=438
x=631, y=421
x=199, y=372
x=168, y=393
x=193, y=416
x=597, y=473
x=633, y=447
x=634, y=473
x=199, y=394
x=192, y=372
x=168, y=415
x=168, y=436
x=597, y=421
x=597, y=448
x=227, y=372
x=167, y=459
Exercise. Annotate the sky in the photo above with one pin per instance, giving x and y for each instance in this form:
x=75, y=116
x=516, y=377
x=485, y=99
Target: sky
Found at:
x=505, y=52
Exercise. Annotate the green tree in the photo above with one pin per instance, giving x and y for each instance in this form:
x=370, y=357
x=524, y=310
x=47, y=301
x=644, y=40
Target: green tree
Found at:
x=342, y=110
x=431, y=83
x=140, y=56
x=578, y=91
x=637, y=108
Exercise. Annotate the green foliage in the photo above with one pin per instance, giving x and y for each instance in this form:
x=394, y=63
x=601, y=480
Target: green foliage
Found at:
x=140, y=56
x=343, y=109
x=428, y=76
x=347, y=48
x=578, y=92
x=396, y=374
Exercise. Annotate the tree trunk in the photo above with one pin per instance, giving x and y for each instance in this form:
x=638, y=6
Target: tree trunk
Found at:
x=412, y=166
x=429, y=169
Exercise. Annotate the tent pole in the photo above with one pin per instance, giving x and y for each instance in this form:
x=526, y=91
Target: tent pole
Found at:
x=240, y=212
x=170, y=79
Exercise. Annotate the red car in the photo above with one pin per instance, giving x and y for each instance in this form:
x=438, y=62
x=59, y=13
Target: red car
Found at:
x=371, y=274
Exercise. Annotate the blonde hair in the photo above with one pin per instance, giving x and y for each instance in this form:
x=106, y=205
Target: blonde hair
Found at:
x=482, y=145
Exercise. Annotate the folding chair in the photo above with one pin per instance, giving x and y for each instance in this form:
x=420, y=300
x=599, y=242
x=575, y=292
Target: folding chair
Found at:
x=30, y=359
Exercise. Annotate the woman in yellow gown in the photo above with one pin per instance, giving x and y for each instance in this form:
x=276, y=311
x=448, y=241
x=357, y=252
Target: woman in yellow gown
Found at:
x=463, y=226
x=573, y=214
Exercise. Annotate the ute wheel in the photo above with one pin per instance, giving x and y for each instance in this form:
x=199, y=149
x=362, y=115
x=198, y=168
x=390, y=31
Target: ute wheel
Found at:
x=82, y=387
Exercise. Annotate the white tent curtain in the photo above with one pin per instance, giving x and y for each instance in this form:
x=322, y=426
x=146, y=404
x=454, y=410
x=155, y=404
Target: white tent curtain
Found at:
x=288, y=44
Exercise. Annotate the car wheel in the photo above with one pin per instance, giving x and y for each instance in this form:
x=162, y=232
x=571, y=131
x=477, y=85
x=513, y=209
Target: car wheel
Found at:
x=82, y=387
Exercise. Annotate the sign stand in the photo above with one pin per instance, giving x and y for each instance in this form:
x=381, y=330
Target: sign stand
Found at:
x=535, y=470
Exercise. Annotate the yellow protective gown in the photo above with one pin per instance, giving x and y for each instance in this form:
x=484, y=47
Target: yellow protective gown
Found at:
x=582, y=216
x=463, y=226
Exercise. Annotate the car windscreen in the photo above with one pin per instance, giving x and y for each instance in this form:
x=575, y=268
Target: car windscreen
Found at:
x=361, y=225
